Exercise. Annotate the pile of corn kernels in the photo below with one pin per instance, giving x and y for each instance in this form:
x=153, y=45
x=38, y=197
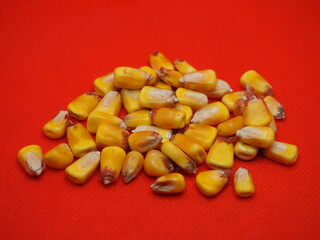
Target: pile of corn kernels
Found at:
x=170, y=126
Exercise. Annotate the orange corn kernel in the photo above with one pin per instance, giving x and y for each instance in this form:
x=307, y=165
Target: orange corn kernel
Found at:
x=157, y=164
x=169, y=118
x=144, y=141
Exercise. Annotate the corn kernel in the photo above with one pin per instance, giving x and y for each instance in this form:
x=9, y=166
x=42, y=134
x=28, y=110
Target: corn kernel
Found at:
x=104, y=84
x=151, y=97
x=59, y=157
x=202, y=134
x=211, y=114
x=221, y=154
x=131, y=78
x=157, y=164
x=131, y=99
x=179, y=157
x=135, y=119
x=169, y=118
x=244, y=151
x=152, y=72
x=183, y=66
x=79, y=139
x=275, y=107
x=202, y=81
x=170, y=76
x=257, y=82
x=257, y=136
x=144, y=141
x=31, y=159
x=165, y=133
x=133, y=164
x=81, y=106
x=163, y=85
x=230, y=127
x=256, y=113
x=111, y=163
x=56, y=127
x=158, y=60
x=243, y=183
x=170, y=183
x=281, y=152
x=273, y=125
x=230, y=99
x=82, y=169
x=191, y=98
x=96, y=118
x=110, y=103
x=222, y=88
x=187, y=110
x=211, y=182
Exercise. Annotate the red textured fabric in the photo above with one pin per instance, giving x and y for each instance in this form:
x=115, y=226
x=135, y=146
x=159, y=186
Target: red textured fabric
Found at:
x=51, y=51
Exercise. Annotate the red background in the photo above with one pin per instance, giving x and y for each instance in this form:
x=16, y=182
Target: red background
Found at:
x=52, y=51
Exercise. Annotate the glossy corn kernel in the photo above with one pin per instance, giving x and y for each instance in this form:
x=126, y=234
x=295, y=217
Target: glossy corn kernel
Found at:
x=131, y=78
x=133, y=164
x=96, y=118
x=156, y=164
x=158, y=60
x=230, y=99
x=244, y=151
x=222, y=88
x=79, y=139
x=273, y=125
x=163, y=85
x=203, y=81
x=256, y=113
x=110, y=103
x=275, y=107
x=165, y=133
x=170, y=76
x=110, y=135
x=104, y=84
x=281, y=152
x=191, y=98
x=257, y=136
x=169, y=118
x=152, y=72
x=187, y=110
x=211, y=182
x=56, y=127
x=179, y=157
x=111, y=163
x=59, y=157
x=257, y=82
x=221, y=154
x=230, y=127
x=82, y=169
x=170, y=183
x=242, y=102
x=243, y=183
x=190, y=147
x=81, y=106
x=130, y=100
x=211, y=114
x=202, y=134
x=31, y=159
x=151, y=97
x=183, y=66
x=144, y=141
x=138, y=118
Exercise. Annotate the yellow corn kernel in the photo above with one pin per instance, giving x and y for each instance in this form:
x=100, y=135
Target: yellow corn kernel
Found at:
x=56, y=127
x=135, y=119
x=144, y=141
x=256, y=113
x=187, y=110
x=158, y=60
x=31, y=159
x=183, y=66
x=230, y=127
x=179, y=157
x=170, y=183
x=111, y=163
x=110, y=135
x=82, y=169
x=221, y=89
x=163, y=85
x=243, y=183
x=244, y=151
x=275, y=107
x=151, y=97
x=169, y=118
x=202, y=134
x=257, y=136
x=191, y=98
x=230, y=99
x=133, y=164
x=131, y=78
x=281, y=152
x=190, y=147
x=273, y=125
x=130, y=100
x=96, y=118
x=110, y=103
x=81, y=106
x=157, y=164
x=79, y=139
x=211, y=114
x=170, y=76
x=257, y=82
x=104, y=84
x=221, y=154
x=152, y=72
x=165, y=133
x=59, y=157
x=211, y=182
x=203, y=81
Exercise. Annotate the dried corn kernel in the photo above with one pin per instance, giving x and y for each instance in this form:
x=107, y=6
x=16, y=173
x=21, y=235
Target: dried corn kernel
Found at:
x=163, y=85
x=152, y=72
x=133, y=164
x=191, y=98
x=211, y=182
x=59, y=157
x=96, y=118
x=168, y=118
x=243, y=183
x=222, y=88
x=131, y=78
x=203, y=81
x=135, y=119
x=230, y=127
x=244, y=151
x=273, y=125
x=82, y=169
x=110, y=103
x=256, y=113
x=202, y=134
x=170, y=76
x=151, y=97
x=56, y=127
x=144, y=141
x=183, y=66
x=104, y=84
x=158, y=60
x=257, y=136
x=257, y=82
x=81, y=106
x=165, y=133
x=187, y=110
x=31, y=159
x=221, y=154
x=230, y=99
x=170, y=183
x=131, y=99
x=281, y=152
x=211, y=114
x=275, y=107
x=157, y=164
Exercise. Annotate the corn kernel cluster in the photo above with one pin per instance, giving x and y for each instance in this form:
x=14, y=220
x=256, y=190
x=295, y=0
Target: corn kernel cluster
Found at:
x=170, y=125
